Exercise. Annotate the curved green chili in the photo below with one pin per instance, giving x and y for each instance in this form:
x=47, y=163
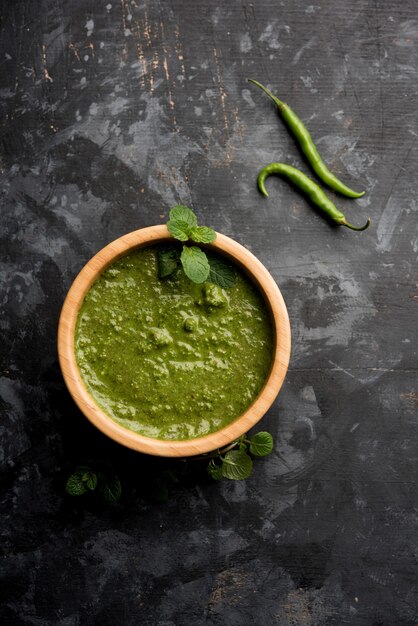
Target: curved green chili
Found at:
x=301, y=133
x=309, y=188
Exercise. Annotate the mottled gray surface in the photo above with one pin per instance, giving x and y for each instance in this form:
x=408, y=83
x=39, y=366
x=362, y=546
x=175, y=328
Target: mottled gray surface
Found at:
x=111, y=112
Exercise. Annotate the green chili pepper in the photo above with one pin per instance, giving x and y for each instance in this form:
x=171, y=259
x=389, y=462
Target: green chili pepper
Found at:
x=309, y=188
x=301, y=133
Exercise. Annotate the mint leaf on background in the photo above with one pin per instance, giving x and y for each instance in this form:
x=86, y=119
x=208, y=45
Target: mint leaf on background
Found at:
x=261, y=444
x=221, y=273
x=214, y=470
x=85, y=480
x=181, y=213
x=109, y=488
x=236, y=465
x=90, y=479
x=75, y=485
x=80, y=480
x=182, y=221
x=195, y=264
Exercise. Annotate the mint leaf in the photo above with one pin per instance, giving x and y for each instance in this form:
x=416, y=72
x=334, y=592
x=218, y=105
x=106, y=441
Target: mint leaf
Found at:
x=109, y=488
x=221, y=273
x=261, y=444
x=236, y=465
x=90, y=479
x=195, y=264
x=202, y=234
x=167, y=261
x=182, y=220
x=75, y=485
x=183, y=214
x=180, y=230
x=214, y=470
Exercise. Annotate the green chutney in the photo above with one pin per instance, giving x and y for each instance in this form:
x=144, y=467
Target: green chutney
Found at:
x=169, y=358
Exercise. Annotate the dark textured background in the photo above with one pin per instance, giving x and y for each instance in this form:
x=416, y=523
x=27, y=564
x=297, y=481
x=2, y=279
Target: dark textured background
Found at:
x=111, y=112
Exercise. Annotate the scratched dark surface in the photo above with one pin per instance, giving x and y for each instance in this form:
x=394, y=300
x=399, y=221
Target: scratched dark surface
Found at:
x=111, y=112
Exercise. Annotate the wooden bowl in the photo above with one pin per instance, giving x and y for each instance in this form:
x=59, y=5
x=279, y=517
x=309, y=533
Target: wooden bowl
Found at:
x=176, y=448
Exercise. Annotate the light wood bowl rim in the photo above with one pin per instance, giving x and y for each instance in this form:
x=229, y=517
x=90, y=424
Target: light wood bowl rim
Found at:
x=66, y=330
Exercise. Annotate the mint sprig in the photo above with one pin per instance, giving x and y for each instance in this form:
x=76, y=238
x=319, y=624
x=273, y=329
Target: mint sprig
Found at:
x=236, y=463
x=196, y=264
x=84, y=479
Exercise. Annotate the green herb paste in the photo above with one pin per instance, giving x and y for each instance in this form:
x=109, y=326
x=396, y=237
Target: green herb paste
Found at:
x=169, y=358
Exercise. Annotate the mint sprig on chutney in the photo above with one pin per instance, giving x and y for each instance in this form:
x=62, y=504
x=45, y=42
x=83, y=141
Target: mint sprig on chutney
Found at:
x=198, y=265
